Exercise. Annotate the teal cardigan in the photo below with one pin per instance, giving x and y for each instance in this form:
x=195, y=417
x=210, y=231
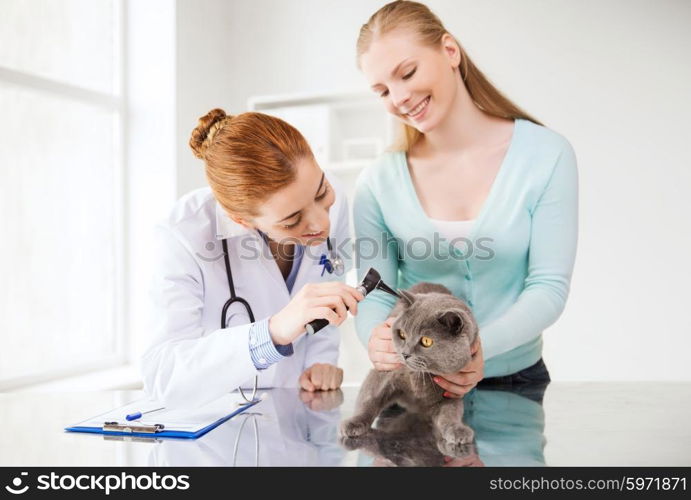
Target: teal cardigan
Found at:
x=515, y=270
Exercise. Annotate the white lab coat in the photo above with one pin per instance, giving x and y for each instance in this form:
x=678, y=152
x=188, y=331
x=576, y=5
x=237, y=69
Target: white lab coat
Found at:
x=192, y=360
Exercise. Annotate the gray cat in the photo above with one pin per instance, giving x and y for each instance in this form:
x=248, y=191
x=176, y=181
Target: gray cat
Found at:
x=406, y=440
x=432, y=334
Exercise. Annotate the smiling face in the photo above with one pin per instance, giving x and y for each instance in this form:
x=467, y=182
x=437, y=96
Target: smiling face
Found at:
x=417, y=83
x=299, y=212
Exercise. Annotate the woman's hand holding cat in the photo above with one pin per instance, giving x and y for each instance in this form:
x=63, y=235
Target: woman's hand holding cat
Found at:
x=321, y=377
x=380, y=347
x=456, y=385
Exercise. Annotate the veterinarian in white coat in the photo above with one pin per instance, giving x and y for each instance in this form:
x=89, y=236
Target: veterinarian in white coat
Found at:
x=266, y=190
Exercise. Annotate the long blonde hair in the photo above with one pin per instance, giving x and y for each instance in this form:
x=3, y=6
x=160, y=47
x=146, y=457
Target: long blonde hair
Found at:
x=430, y=30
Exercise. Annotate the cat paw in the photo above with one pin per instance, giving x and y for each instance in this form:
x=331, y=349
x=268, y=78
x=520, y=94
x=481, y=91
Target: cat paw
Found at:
x=354, y=427
x=354, y=443
x=456, y=441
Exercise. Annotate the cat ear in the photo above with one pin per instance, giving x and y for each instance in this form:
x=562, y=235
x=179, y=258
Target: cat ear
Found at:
x=453, y=320
x=407, y=298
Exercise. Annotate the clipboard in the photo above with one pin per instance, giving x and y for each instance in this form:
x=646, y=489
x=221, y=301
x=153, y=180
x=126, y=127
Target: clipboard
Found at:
x=164, y=423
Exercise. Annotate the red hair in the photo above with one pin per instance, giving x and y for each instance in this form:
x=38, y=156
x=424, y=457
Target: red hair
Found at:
x=247, y=157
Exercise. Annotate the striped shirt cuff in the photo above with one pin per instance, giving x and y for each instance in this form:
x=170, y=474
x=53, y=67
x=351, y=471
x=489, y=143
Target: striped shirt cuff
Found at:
x=263, y=351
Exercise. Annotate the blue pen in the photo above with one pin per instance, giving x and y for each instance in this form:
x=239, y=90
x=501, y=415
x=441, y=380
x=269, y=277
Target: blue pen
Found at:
x=135, y=416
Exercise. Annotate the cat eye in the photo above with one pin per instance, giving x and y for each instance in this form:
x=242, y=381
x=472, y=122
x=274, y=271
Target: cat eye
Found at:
x=426, y=341
x=401, y=334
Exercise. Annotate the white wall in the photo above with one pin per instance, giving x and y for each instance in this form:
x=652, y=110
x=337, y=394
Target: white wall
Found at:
x=231, y=50
x=612, y=76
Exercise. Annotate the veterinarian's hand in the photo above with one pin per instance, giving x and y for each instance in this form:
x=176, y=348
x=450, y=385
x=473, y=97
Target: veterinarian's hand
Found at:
x=322, y=400
x=329, y=300
x=456, y=385
x=380, y=347
x=321, y=377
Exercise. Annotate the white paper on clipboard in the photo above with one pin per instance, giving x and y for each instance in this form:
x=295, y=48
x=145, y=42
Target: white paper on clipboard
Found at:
x=177, y=419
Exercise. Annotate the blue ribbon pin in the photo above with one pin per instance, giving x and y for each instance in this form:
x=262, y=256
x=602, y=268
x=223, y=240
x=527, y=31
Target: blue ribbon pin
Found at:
x=323, y=261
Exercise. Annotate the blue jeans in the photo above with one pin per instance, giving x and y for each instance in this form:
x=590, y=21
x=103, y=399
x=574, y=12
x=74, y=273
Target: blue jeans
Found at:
x=535, y=374
x=530, y=382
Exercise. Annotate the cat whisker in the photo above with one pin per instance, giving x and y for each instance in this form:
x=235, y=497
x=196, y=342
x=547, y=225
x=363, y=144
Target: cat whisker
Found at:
x=417, y=364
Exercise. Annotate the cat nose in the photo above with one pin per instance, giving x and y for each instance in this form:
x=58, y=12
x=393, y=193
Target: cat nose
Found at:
x=405, y=356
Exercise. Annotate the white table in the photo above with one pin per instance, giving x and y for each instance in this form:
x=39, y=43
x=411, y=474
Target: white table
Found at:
x=578, y=424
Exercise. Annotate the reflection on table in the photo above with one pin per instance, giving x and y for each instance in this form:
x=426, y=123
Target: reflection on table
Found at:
x=296, y=428
x=508, y=423
x=288, y=428
x=585, y=423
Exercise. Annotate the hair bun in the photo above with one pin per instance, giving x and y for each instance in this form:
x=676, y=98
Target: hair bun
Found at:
x=206, y=128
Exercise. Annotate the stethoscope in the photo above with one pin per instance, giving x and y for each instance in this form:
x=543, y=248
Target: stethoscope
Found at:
x=332, y=264
x=248, y=416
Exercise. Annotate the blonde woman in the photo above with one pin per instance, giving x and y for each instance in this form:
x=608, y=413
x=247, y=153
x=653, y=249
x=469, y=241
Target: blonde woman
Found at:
x=477, y=195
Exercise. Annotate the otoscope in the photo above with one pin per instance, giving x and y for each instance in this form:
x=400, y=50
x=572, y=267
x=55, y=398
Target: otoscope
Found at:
x=371, y=281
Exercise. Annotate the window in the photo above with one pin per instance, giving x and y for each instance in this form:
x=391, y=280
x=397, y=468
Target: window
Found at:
x=61, y=188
